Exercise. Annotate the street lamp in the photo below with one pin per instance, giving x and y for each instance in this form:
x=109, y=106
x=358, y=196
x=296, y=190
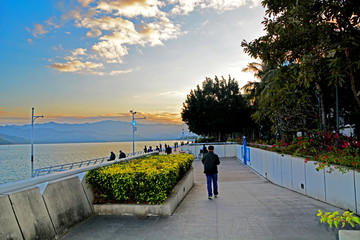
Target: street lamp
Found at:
x=133, y=123
x=32, y=137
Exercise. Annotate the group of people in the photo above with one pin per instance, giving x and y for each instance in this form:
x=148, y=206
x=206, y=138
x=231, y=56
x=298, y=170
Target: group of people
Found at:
x=167, y=148
x=113, y=156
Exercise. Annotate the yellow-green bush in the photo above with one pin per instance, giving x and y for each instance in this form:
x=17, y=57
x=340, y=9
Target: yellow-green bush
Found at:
x=144, y=180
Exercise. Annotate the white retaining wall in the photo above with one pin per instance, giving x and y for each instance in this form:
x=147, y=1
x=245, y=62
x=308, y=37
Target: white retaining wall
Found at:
x=224, y=150
x=336, y=188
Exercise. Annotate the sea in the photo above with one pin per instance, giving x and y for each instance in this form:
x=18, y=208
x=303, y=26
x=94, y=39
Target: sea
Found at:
x=15, y=160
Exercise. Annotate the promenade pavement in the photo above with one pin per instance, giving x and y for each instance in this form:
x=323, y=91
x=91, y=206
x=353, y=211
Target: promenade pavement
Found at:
x=248, y=207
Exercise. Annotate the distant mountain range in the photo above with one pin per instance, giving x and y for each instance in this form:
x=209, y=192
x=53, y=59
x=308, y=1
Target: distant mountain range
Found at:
x=104, y=131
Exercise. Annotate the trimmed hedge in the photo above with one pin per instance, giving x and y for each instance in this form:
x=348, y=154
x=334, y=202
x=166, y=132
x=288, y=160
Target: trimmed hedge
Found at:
x=144, y=180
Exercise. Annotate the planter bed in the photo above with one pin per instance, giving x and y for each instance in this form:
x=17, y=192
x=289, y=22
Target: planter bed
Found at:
x=166, y=209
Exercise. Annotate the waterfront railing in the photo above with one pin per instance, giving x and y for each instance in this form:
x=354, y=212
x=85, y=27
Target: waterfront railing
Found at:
x=74, y=165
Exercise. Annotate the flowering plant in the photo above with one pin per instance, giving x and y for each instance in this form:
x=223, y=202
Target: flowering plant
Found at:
x=325, y=148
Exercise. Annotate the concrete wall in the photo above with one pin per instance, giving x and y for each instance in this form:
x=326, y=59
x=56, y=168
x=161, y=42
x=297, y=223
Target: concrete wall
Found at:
x=315, y=181
x=224, y=150
x=9, y=228
x=45, y=211
x=339, y=189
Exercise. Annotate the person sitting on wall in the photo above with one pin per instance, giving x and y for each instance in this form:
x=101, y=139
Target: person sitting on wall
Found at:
x=112, y=156
x=150, y=149
x=145, y=149
x=122, y=154
x=168, y=149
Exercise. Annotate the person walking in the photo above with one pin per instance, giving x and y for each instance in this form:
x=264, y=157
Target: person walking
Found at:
x=210, y=161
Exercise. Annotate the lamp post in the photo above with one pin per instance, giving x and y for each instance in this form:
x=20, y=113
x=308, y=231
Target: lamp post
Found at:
x=33, y=117
x=133, y=123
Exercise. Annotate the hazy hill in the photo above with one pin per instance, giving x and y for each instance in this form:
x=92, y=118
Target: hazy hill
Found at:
x=104, y=131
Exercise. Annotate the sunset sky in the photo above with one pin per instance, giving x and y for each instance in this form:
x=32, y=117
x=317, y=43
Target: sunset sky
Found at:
x=79, y=61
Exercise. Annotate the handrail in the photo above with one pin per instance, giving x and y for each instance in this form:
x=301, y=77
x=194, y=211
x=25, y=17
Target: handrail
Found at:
x=14, y=186
x=73, y=165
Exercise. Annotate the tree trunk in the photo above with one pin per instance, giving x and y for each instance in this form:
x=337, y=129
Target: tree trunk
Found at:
x=352, y=78
x=322, y=105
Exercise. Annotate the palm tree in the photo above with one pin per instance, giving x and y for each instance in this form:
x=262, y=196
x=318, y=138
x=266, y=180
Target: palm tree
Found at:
x=256, y=90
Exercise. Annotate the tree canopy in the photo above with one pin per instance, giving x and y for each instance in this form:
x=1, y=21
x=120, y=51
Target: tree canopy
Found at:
x=312, y=48
x=217, y=108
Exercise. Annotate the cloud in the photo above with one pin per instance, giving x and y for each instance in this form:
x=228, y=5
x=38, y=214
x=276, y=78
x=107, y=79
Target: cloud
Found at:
x=51, y=22
x=163, y=30
x=38, y=30
x=85, y=3
x=78, y=51
x=162, y=117
x=184, y=7
x=111, y=50
x=173, y=93
x=119, y=25
x=132, y=8
x=77, y=66
x=118, y=72
x=94, y=33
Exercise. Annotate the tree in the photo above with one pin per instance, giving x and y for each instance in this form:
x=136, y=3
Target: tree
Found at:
x=280, y=100
x=216, y=109
x=256, y=91
x=321, y=36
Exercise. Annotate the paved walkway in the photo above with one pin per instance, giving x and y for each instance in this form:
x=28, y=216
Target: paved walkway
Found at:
x=248, y=208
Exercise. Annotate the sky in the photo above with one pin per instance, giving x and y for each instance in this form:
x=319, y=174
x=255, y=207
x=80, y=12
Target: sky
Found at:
x=78, y=61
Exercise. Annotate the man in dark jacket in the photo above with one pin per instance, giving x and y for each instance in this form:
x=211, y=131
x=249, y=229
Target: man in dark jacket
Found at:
x=122, y=154
x=112, y=156
x=210, y=161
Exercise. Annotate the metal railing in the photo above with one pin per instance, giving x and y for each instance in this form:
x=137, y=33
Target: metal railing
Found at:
x=70, y=166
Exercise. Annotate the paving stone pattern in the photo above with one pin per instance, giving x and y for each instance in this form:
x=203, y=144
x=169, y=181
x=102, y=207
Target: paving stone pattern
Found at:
x=248, y=207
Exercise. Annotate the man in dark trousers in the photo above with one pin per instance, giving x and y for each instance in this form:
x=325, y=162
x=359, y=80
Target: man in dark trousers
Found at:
x=210, y=161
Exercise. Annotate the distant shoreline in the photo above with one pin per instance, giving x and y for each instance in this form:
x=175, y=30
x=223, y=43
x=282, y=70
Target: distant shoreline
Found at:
x=147, y=140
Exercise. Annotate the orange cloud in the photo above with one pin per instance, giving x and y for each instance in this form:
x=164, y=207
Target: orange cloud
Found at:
x=77, y=66
x=162, y=117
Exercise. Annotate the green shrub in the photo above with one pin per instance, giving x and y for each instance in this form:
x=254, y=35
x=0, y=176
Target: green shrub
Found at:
x=146, y=180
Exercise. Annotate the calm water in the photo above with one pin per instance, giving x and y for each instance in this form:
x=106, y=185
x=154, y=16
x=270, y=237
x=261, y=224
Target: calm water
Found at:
x=15, y=160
